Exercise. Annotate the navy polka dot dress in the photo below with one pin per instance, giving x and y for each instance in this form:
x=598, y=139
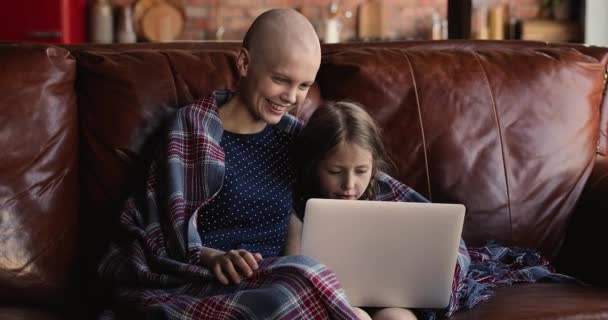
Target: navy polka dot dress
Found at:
x=252, y=209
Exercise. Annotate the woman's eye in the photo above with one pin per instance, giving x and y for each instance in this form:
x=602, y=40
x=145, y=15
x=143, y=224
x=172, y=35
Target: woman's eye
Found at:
x=334, y=172
x=361, y=172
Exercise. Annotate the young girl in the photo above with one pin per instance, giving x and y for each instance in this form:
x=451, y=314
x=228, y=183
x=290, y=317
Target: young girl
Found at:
x=340, y=155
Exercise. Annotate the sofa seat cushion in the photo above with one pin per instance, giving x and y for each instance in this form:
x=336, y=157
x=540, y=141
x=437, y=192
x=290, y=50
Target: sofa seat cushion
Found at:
x=27, y=313
x=541, y=301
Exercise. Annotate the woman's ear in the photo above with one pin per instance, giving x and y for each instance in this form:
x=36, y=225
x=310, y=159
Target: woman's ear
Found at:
x=242, y=62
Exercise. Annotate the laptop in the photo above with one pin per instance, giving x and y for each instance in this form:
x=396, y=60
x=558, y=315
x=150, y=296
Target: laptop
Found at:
x=386, y=254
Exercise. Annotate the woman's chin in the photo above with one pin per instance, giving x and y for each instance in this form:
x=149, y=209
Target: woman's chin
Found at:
x=272, y=117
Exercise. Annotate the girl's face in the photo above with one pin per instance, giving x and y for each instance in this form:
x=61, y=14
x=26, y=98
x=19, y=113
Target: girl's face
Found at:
x=345, y=172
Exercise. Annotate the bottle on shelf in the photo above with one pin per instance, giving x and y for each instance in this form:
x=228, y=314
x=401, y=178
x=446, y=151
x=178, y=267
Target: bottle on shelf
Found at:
x=125, y=32
x=496, y=22
x=102, y=22
x=436, y=31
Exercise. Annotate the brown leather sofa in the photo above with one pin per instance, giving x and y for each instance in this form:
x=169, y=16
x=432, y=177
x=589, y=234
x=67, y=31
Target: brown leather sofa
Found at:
x=517, y=131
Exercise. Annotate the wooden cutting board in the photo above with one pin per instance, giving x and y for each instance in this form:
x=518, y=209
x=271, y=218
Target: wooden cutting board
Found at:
x=158, y=20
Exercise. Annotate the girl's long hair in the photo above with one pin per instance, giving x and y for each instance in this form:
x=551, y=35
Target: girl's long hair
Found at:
x=331, y=124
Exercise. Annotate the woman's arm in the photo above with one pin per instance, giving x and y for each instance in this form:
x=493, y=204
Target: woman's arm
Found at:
x=294, y=235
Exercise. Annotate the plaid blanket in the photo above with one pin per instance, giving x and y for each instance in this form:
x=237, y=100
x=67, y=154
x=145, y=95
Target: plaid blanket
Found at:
x=493, y=265
x=154, y=264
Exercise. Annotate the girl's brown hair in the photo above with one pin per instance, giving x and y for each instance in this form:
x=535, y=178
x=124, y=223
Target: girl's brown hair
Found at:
x=331, y=124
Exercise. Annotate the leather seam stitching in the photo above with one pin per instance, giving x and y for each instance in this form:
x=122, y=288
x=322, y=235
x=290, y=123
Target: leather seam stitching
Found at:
x=500, y=137
x=426, y=160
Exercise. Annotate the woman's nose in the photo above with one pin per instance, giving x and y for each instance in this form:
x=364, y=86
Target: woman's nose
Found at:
x=290, y=96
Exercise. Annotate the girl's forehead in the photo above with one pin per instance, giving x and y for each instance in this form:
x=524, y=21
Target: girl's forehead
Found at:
x=347, y=149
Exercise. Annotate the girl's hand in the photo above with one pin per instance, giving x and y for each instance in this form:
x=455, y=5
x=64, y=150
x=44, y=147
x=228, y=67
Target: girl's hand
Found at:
x=230, y=266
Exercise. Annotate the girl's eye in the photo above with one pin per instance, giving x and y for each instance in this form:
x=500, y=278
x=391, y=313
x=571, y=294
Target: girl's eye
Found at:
x=334, y=172
x=361, y=172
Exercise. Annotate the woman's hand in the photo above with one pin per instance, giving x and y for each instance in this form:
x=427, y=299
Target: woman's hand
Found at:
x=230, y=266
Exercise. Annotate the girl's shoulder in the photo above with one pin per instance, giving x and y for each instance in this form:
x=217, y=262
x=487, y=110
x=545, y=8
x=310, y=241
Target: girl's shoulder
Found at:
x=391, y=189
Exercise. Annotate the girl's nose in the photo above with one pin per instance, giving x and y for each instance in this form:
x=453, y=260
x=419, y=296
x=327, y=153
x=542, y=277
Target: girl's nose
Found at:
x=348, y=183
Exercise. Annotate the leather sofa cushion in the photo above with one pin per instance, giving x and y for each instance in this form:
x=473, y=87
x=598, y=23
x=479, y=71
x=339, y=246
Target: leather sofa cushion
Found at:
x=28, y=313
x=38, y=173
x=541, y=301
x=599, y=53
x=510, y=133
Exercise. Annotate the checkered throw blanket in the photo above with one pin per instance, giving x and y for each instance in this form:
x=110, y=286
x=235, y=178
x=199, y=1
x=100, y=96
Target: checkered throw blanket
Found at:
x=154, y=263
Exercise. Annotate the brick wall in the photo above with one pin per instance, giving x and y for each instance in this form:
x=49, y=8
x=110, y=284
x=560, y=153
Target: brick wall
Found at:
x=409, y=19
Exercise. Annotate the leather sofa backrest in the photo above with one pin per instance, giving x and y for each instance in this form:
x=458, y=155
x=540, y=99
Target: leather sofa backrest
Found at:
x=38, y=173
x=511, y=133
x=506, y=129
x=599, y=53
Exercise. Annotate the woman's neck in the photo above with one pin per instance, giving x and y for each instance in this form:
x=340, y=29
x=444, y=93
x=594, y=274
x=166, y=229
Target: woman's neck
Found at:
x=238, y=118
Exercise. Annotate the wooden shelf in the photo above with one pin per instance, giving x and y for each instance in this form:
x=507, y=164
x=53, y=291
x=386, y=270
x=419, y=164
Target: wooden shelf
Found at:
x=550, y=30
x=460, y=18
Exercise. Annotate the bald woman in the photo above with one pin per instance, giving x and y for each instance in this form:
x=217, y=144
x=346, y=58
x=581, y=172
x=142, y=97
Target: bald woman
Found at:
x=278, y=63
x=209, y=245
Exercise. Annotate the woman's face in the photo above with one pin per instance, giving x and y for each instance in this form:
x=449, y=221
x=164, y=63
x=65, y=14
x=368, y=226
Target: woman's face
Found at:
x=278, y=83
x=345, y=172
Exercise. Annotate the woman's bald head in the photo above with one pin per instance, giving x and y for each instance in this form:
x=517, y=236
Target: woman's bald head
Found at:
x=277, y=64
x=280, y=29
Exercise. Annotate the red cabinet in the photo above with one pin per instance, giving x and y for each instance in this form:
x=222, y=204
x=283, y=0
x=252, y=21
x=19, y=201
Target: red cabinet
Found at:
x=54, y=21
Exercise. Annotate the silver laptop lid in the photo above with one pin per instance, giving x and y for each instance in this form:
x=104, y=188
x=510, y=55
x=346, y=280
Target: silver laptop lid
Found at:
x=386, y=254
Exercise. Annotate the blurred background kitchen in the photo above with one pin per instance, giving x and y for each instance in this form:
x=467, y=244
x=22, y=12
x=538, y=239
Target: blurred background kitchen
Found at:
x=127, y=21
